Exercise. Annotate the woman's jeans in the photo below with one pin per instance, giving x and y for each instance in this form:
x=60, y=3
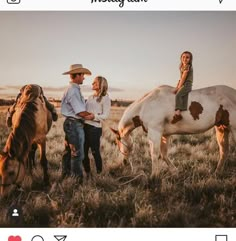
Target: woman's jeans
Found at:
x=92, y=140
x=74, y=148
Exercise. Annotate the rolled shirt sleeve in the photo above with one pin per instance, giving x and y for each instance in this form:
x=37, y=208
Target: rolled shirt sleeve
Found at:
x=77, y=103
x=106, y=106
x=101, y=110
x=72, y=102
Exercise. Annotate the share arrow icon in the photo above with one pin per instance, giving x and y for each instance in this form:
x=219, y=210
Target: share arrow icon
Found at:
x=60, y=237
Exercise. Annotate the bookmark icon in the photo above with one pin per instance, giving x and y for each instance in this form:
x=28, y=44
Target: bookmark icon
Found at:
x=60, y=237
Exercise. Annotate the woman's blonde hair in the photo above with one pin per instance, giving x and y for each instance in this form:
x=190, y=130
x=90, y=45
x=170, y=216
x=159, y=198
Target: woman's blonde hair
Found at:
x=103, y=87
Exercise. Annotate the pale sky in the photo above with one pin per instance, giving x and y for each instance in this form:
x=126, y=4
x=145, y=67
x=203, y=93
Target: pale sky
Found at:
x=135, y=51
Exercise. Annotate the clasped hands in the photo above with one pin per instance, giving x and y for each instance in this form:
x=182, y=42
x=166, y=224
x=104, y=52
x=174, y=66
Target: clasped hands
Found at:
x=91, y=116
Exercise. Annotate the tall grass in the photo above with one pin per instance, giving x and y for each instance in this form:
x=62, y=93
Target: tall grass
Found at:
x=122, y=195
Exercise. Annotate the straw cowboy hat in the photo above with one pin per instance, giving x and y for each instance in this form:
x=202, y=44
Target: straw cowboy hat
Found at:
x=78, y=69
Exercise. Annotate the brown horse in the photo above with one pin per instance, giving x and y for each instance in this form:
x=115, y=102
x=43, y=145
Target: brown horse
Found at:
x=31, y=122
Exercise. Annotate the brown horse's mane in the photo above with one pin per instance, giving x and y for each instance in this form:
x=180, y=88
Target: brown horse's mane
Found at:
x=20, y=139
x=30, y=93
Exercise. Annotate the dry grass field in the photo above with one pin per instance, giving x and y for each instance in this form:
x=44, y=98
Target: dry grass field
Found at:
x=122, y=195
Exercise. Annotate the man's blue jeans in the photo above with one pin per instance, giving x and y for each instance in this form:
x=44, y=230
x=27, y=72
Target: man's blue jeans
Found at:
x=74, y=147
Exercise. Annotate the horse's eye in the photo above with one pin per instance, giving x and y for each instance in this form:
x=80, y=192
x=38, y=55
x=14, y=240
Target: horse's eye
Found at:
x=11, y=173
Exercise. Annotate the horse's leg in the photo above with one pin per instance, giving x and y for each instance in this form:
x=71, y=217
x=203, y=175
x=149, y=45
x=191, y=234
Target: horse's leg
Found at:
x=233, y=132
x=155, y=141
x=31, y=158
x=222, y=135
x=164, y=152
x=44, y=162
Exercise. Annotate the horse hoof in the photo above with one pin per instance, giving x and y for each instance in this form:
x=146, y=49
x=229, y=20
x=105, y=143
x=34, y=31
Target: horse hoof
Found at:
x=217, y=173
x=174, y=171
x=46, y=181
x=154, y=183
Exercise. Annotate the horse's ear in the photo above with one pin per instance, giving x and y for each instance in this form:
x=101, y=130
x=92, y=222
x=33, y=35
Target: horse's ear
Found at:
x=115, y=132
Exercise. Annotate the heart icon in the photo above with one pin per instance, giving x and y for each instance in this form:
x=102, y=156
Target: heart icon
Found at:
x=14, y=238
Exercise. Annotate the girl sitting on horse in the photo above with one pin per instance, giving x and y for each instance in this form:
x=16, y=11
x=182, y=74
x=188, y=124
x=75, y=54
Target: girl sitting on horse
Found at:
x=184, y=85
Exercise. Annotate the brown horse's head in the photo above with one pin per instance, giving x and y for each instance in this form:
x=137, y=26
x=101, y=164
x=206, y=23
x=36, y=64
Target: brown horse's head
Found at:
x=12, y=173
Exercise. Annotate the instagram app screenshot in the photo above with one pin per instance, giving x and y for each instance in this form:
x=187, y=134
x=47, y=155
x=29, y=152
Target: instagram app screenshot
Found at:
x=117, y=120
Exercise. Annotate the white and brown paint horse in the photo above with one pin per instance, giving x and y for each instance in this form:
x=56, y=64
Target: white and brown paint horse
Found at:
x=207, y=107
x=31, y=122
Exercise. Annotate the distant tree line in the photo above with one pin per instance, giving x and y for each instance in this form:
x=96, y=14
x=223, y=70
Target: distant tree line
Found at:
x=123, y=103
x=57, y=102
x=6, y=102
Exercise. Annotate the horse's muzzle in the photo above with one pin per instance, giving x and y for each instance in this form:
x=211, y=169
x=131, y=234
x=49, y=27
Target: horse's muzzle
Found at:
x=125, y=162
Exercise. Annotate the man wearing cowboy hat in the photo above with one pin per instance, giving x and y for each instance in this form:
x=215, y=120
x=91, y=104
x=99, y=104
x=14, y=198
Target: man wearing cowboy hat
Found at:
x=73, y=108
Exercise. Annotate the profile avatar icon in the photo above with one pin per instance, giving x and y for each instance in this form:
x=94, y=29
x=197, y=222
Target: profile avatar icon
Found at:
x=15, y=216
x=15, y=213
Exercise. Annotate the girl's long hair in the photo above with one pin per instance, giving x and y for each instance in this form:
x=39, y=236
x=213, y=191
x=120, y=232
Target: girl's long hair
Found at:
x=191, y=59
x=103, y=87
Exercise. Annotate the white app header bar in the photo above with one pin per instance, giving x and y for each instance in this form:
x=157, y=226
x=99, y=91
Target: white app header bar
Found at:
x=118, y=5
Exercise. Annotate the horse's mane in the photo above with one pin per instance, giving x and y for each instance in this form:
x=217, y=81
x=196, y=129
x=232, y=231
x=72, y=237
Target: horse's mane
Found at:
x=148, y=97
x=152, y=94
x=24, y=127
x=30, y=93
